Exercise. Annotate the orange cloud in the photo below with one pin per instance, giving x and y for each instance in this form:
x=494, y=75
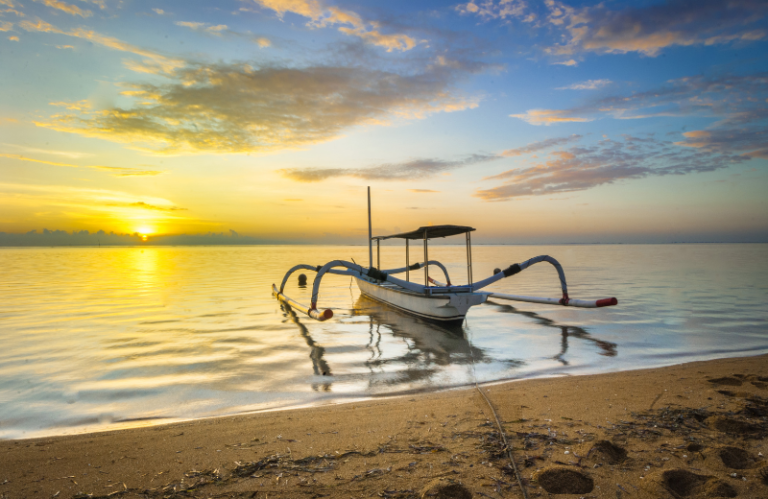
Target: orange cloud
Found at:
x=322, y=16
x=548, y=117
x=65, y=7
x=115, y=170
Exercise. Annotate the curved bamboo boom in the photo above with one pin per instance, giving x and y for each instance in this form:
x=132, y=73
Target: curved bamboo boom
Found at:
x=312, y=312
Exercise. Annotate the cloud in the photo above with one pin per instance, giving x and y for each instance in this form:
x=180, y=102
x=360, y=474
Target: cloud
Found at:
x=117, y=171
x=606, y=162
x=13, y=38
x=501, y=9
x=103, y=201
x=738, y=98
x=351, y=23
x=651, y=28
x=65, y=7
x=153, y=62
x=539, y=146
x=159, y=12
x=409, y=170
x=548, y=117
x=147, y=206
x=6, y=26
x=749, y=141
x=423, y=191
x=221, y=29
x=238, y=108
x=34, y=150
x=587, y=85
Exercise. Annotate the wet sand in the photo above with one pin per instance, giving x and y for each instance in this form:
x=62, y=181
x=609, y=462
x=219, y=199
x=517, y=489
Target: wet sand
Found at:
x=693, y=430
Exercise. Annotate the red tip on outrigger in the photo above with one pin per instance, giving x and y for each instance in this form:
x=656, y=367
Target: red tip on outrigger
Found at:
x=607, y=302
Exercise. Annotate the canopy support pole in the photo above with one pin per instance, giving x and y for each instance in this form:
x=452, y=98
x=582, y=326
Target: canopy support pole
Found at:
x=407, y=263
x=370, y=235
x=426, y=260
x=469, y=258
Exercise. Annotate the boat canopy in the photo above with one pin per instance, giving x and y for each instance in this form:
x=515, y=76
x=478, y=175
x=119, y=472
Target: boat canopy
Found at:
x=431, y=232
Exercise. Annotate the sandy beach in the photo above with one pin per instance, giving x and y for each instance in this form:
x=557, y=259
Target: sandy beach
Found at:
x=691, y=430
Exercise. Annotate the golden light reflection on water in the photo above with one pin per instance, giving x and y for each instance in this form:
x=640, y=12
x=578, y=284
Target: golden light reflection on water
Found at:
x=95, y=338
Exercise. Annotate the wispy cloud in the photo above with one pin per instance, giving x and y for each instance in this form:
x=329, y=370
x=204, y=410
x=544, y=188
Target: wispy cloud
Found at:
x=409, y=170
x=35, y=150
x=650, y=29
x=735, y=97
x=100, y=201
x=541, y=145
x=146, y=206
x=222, y=29
x=607, y=162
x=549, y=117
x=117, y=171
x=587, y=85
x=350, y=23
x=239, y=108
x=423, y=191
x=66, y=7
x=750, y=142
x=153, y=61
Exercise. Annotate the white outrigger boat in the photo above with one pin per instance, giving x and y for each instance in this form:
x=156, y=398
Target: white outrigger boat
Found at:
x=434, y=300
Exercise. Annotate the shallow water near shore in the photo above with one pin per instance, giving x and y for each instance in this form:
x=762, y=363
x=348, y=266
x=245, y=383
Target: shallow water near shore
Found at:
x=104, y=338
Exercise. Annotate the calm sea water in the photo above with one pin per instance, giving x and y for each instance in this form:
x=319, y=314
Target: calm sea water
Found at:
x=104, y=338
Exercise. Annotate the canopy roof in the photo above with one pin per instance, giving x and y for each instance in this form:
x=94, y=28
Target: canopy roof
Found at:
x=431, y=232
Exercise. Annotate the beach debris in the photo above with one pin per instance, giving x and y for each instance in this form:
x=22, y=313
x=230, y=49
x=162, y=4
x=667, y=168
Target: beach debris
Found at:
x=562, y=480
x=204, y=476
x=372, y=473
x=764, y=476
x=426, y=449
x=613, y=454
x=683, y=483
x=755, y=407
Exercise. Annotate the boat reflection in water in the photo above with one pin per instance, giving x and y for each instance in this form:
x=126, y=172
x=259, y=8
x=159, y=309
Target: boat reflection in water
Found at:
x=408, y=354
x=428, y=344
x=607, y=348
x=316, y=352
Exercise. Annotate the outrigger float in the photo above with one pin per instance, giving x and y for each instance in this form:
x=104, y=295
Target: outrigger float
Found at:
x=434, y=300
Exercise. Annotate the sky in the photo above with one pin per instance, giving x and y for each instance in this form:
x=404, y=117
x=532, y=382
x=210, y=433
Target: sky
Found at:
x=265, y=120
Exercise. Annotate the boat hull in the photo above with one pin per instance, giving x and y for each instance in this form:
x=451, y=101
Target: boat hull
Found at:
x=447, y=308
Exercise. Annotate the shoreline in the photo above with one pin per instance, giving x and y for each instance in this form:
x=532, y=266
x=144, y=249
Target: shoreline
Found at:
x=693, y=429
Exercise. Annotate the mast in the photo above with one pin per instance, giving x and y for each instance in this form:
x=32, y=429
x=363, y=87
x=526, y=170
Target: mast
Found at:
x=370, y=244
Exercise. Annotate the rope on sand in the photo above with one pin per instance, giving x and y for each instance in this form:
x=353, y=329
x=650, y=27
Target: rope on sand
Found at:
x=504, y=439
x=498, y=423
